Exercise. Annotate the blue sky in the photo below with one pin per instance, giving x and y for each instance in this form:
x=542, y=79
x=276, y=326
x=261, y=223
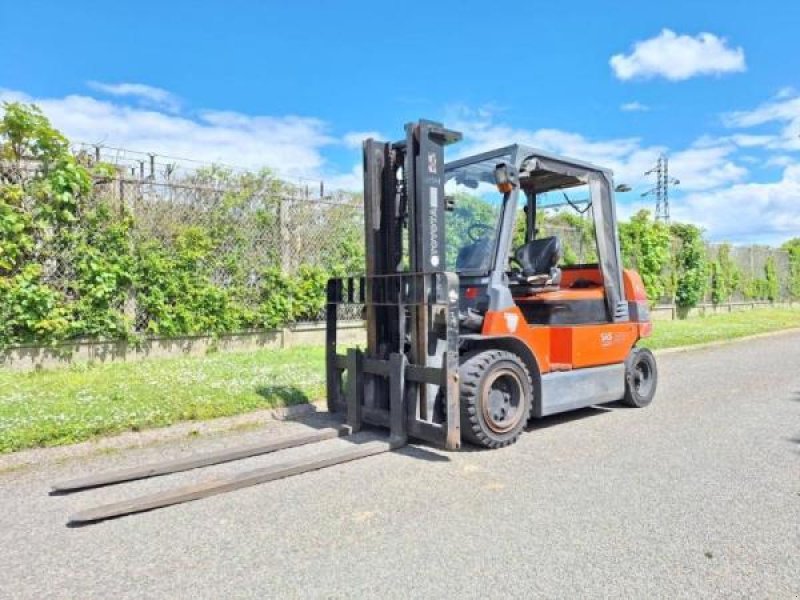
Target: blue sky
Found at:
x=295, y=86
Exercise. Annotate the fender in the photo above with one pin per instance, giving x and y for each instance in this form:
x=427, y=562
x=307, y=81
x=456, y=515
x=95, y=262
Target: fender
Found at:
x=511, y=343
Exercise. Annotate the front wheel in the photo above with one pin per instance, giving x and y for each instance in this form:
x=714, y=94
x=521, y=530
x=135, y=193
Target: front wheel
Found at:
x=495, y=398
x=641, y=378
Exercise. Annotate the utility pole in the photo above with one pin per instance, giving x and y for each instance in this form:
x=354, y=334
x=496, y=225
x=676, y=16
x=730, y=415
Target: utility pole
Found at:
x=661, y=189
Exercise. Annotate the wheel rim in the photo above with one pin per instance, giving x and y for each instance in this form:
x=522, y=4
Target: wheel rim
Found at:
x=642, y=378
x=502, y=400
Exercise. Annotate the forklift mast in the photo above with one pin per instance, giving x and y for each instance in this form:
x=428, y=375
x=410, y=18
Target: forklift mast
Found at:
x=407, y=377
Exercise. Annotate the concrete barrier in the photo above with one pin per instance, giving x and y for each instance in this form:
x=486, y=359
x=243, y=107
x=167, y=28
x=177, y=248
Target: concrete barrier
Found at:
x=28, y=358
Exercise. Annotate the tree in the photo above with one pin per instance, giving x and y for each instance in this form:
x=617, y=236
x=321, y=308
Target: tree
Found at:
x=690, y=265
x=725, y=275
x=792, y=247
x=772, y=285
x=645, y=246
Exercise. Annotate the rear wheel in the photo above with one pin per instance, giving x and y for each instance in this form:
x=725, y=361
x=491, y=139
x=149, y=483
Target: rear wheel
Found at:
x=641, y=378
x=495, y=398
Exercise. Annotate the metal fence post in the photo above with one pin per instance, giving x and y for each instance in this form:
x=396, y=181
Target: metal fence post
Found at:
x=283, y=236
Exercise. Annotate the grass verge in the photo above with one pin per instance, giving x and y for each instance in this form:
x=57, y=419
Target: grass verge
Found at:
x=63, y=406
x=57, y=407
x=721, y=327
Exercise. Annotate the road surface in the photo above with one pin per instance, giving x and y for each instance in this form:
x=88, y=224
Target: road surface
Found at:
x=697, y=495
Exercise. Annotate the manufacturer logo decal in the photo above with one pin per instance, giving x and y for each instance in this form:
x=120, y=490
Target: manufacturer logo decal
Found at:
x=433, y=224
x=606, y=339
x=512, y=321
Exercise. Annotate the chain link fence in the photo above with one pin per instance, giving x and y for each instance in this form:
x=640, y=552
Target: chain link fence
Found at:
x=756, y=272
x=255, y=231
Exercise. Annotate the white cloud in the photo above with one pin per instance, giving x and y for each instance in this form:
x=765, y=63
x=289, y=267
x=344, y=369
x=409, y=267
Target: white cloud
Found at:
x=704, y=168
x=356, y=138
x=747, y=212
x=783, y=110
x=678, y=57
x=149, y=94
x=780, y=160
x=751, y=141
x=351, y=181
x=634, y=106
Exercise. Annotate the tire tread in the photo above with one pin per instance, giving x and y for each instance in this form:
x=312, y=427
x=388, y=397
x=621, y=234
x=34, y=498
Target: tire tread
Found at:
x=473, y=369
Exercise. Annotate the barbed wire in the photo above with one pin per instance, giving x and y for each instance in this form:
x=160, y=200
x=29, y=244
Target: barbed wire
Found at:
x=152, y=165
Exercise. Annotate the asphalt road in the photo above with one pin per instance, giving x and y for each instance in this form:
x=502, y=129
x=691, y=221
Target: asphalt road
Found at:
x=697, y=495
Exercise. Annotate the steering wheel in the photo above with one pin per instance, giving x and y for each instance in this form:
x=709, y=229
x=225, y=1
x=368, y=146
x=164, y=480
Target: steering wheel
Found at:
x=479, y=231
x=515, y=264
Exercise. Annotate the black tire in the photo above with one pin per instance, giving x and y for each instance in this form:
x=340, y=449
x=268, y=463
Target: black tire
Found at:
x=496, y=396
x=641, y=378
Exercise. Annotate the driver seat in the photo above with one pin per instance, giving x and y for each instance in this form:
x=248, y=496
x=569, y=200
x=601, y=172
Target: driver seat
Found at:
x=538, y=259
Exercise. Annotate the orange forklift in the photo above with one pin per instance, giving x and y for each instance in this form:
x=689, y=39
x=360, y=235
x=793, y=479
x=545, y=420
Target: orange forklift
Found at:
x=473, y=326
x=488, y=332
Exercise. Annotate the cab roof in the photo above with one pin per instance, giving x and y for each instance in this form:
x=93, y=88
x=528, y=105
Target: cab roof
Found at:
x=543, y=171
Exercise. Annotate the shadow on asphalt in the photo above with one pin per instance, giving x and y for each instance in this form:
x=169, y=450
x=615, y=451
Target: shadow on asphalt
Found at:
x=422, y=453
x=575, y=415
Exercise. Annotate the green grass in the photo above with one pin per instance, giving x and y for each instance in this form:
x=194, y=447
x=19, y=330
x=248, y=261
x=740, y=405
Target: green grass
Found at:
x=56, y=407
x=672, y=334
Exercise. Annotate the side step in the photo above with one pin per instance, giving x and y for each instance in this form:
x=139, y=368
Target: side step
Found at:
x=199, y=460
x=234, y=482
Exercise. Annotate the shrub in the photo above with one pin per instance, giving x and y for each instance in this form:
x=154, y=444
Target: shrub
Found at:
x=792, y=247
x=725, y=275
x=689, y=265
x=645, y=246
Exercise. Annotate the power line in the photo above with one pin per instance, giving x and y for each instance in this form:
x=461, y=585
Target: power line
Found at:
x=661, y=189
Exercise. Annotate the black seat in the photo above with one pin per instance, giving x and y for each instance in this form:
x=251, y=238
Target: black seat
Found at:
x=538, y=259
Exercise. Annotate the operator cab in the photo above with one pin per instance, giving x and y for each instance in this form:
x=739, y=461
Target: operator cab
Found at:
x=495, y=247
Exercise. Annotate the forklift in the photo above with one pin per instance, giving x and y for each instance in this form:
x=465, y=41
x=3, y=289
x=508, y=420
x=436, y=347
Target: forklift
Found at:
x=484, y=335
x=473, y=326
